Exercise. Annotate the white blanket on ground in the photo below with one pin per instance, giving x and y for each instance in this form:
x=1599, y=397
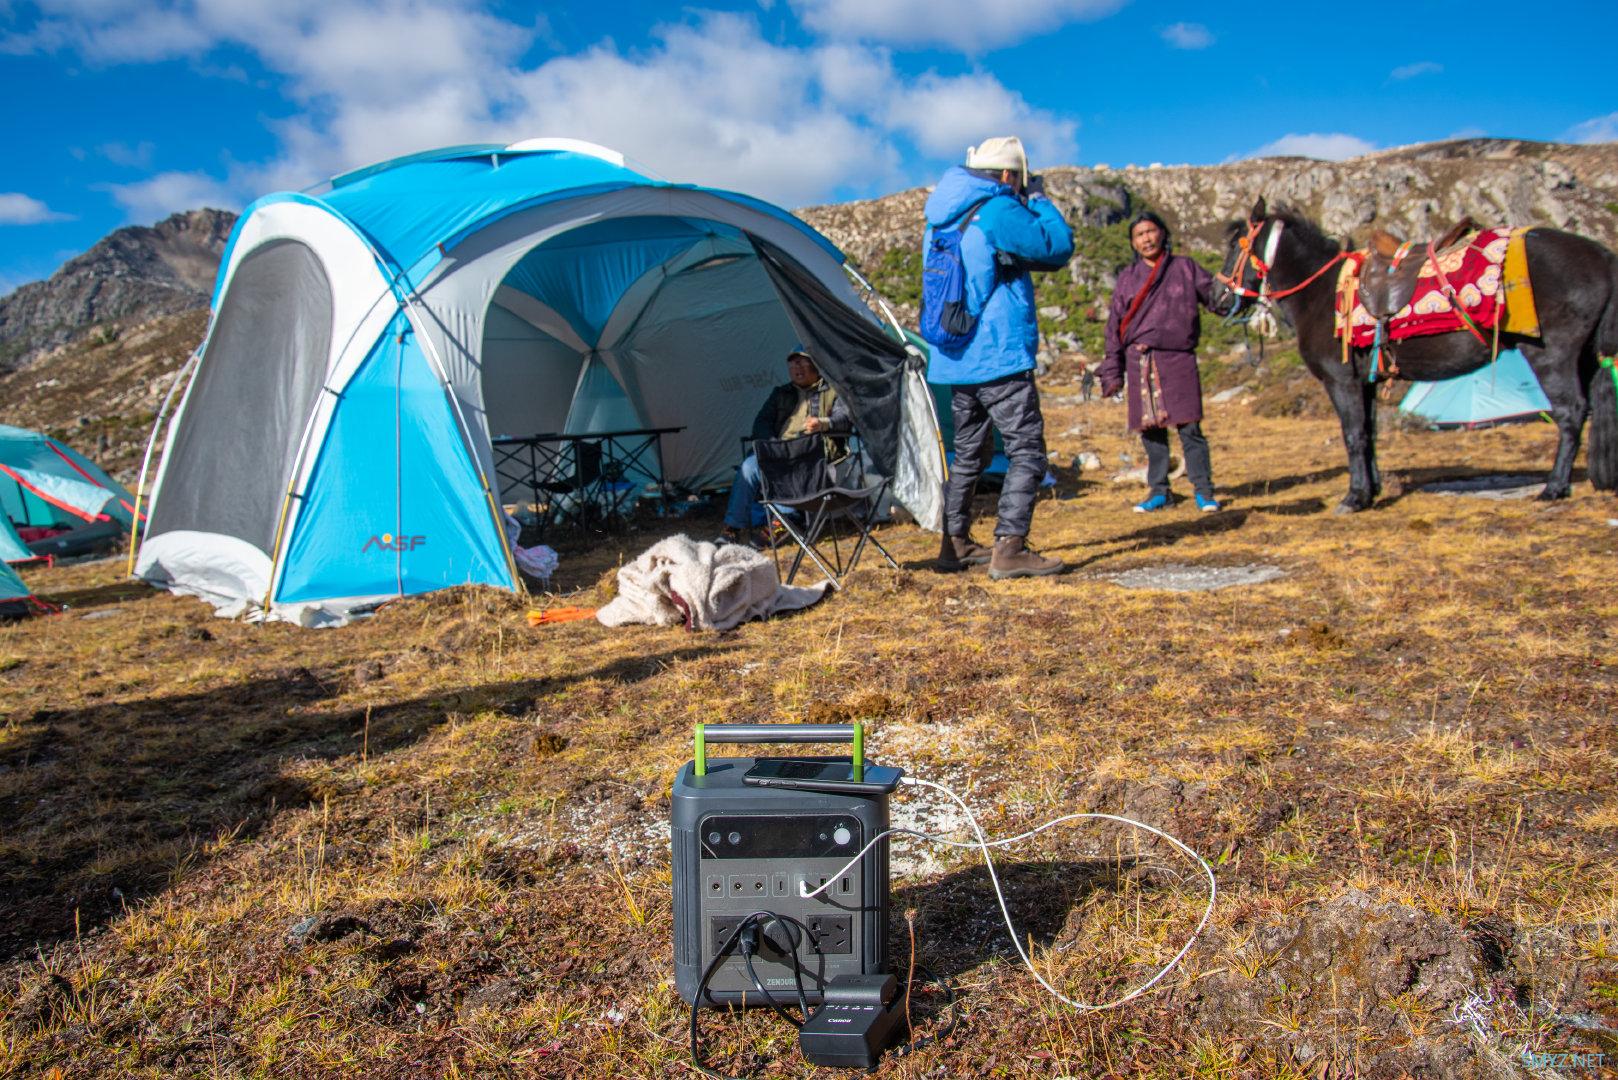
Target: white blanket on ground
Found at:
x=702, y=586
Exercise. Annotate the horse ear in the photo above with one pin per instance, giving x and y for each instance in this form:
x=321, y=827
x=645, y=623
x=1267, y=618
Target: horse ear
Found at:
x=1258, y=213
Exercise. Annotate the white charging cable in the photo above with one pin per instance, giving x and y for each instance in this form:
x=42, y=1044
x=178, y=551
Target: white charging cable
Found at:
x=983, y=844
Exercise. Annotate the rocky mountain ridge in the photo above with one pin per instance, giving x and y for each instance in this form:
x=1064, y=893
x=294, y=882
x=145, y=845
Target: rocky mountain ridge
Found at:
x=132, y=275
x=1414, y=191
x=91, y=350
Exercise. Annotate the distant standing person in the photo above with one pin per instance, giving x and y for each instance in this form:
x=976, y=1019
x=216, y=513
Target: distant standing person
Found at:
x=1152, y=334
x=1005, y=226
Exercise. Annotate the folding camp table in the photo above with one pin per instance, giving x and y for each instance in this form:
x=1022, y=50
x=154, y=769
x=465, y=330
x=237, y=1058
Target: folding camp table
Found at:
x=587, y=472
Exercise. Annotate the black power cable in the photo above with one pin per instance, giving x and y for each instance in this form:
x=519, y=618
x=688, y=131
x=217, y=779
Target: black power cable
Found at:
x=731, y=944
x=797, y=932
x=743, y=941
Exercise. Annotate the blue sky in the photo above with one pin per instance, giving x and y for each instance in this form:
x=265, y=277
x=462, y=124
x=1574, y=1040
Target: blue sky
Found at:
x=123, y=111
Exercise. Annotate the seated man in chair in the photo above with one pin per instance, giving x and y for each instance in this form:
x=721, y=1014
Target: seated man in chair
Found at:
x=806, y=405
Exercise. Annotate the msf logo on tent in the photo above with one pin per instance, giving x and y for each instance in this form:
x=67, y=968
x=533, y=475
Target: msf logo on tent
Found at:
x=389, y=542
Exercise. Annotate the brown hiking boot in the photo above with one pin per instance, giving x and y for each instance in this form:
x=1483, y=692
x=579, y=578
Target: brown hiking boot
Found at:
x=1013, y=559
x=959, y=552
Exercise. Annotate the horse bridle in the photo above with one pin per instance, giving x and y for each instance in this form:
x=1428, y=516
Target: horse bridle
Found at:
x=1261, y=265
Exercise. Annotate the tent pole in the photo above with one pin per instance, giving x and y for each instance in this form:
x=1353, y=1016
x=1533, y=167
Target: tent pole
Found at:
x=943, y=451
x=880, y=300
x=151, y=444
x=431, y=352
x=406, y=298
x=295, y=474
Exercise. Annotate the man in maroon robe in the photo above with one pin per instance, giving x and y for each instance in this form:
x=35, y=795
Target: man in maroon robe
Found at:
x=1152, y=333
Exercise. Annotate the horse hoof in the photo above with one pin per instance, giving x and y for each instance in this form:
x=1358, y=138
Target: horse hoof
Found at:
x=1550, y=494
x=1347, y=506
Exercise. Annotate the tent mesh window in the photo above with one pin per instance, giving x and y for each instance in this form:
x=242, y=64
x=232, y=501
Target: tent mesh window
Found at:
x=255, y=389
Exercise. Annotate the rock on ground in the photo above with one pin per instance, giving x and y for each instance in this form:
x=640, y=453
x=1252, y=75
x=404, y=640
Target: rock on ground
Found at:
x=1179, y=577
x=1515, y=486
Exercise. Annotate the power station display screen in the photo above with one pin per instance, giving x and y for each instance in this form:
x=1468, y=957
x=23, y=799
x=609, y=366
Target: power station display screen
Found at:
x=775, y=837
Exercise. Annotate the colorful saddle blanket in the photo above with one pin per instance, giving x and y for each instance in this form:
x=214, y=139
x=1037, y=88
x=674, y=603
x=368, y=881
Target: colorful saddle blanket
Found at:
x=1479, y=271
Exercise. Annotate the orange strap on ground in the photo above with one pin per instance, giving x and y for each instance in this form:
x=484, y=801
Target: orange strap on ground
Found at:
x=560, y=615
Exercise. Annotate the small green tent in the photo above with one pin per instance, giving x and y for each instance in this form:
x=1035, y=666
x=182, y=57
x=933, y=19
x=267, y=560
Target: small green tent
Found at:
x=12, y=549
x=57, y=502
x=15, y=599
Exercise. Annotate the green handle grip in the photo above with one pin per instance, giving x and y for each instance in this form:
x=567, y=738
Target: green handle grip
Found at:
x=778, y=733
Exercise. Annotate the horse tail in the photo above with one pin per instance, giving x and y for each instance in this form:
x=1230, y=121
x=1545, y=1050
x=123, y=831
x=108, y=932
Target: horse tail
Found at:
x=1603, y=452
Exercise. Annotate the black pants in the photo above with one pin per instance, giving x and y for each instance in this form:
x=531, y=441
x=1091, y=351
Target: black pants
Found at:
x=1010, y=406
x=1197, y=466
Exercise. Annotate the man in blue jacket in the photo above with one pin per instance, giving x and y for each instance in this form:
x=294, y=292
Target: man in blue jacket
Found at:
x=1011, y=228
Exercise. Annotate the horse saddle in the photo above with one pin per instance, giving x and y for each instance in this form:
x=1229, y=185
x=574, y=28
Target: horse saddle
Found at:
x=1387, y=279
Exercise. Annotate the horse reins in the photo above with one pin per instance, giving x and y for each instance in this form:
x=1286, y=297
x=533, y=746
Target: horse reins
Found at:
x=1261, y=266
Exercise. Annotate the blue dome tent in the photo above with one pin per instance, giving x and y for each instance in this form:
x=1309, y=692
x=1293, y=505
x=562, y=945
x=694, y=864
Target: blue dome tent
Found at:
x=370, y=337
x=1496, y=393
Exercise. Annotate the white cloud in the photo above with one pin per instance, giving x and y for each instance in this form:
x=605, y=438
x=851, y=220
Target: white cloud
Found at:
x=967, y=25
x=19, y=209
x=1410, y=71
x=946, y=115
x=138, y=156
x=708, y=101
x=716, y=104
x=1335, y=146
x=159, y=196
x=1184, y=35
x=1599, y=129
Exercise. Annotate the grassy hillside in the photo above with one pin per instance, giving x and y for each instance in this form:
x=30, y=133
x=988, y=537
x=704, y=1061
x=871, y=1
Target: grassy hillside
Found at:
x=434, y=843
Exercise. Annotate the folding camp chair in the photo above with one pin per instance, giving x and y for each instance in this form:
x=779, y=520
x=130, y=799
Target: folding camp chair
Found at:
x=576, y=468
x=800, y=494
x=588, y=487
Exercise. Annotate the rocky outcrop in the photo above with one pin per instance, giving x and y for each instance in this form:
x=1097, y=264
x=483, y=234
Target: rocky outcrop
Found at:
x=1415, y=191
x=133, y=274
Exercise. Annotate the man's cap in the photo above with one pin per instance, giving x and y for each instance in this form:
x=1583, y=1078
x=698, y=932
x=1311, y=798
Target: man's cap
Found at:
x=1001, y=152
x=800, y=351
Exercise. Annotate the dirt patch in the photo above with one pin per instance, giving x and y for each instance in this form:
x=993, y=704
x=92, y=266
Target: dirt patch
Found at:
x=1354, y=979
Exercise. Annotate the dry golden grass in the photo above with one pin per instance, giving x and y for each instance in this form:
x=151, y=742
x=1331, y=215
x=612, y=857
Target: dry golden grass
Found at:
x=434, y=843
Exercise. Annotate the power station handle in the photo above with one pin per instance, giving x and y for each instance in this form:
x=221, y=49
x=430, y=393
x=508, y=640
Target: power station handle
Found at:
x=779, y=733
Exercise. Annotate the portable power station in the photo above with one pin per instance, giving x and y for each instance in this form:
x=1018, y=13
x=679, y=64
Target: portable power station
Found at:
x=742, y=847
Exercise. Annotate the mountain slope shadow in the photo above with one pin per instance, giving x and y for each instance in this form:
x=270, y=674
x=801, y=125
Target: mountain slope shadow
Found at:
x=101, y=804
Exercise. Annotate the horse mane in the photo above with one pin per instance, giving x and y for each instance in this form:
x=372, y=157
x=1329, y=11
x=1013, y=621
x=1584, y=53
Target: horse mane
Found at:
x=1297, y=222
x=1301, y=226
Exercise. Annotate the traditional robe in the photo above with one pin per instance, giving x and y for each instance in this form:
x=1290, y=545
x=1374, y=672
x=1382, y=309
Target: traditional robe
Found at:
x=1161, y=338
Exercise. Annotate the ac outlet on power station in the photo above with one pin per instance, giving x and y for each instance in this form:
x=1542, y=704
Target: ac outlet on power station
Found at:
x=834, y=934
x=773, y=939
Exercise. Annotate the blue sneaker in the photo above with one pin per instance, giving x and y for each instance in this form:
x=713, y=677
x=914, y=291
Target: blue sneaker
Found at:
x=1207, y=503
x=1152, y=505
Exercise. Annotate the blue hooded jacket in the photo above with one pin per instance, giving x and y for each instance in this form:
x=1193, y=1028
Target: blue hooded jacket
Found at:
x=1007, y=334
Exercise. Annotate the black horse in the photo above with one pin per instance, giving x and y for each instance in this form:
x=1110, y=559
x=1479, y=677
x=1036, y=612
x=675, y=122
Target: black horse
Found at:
x=1575, y=289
